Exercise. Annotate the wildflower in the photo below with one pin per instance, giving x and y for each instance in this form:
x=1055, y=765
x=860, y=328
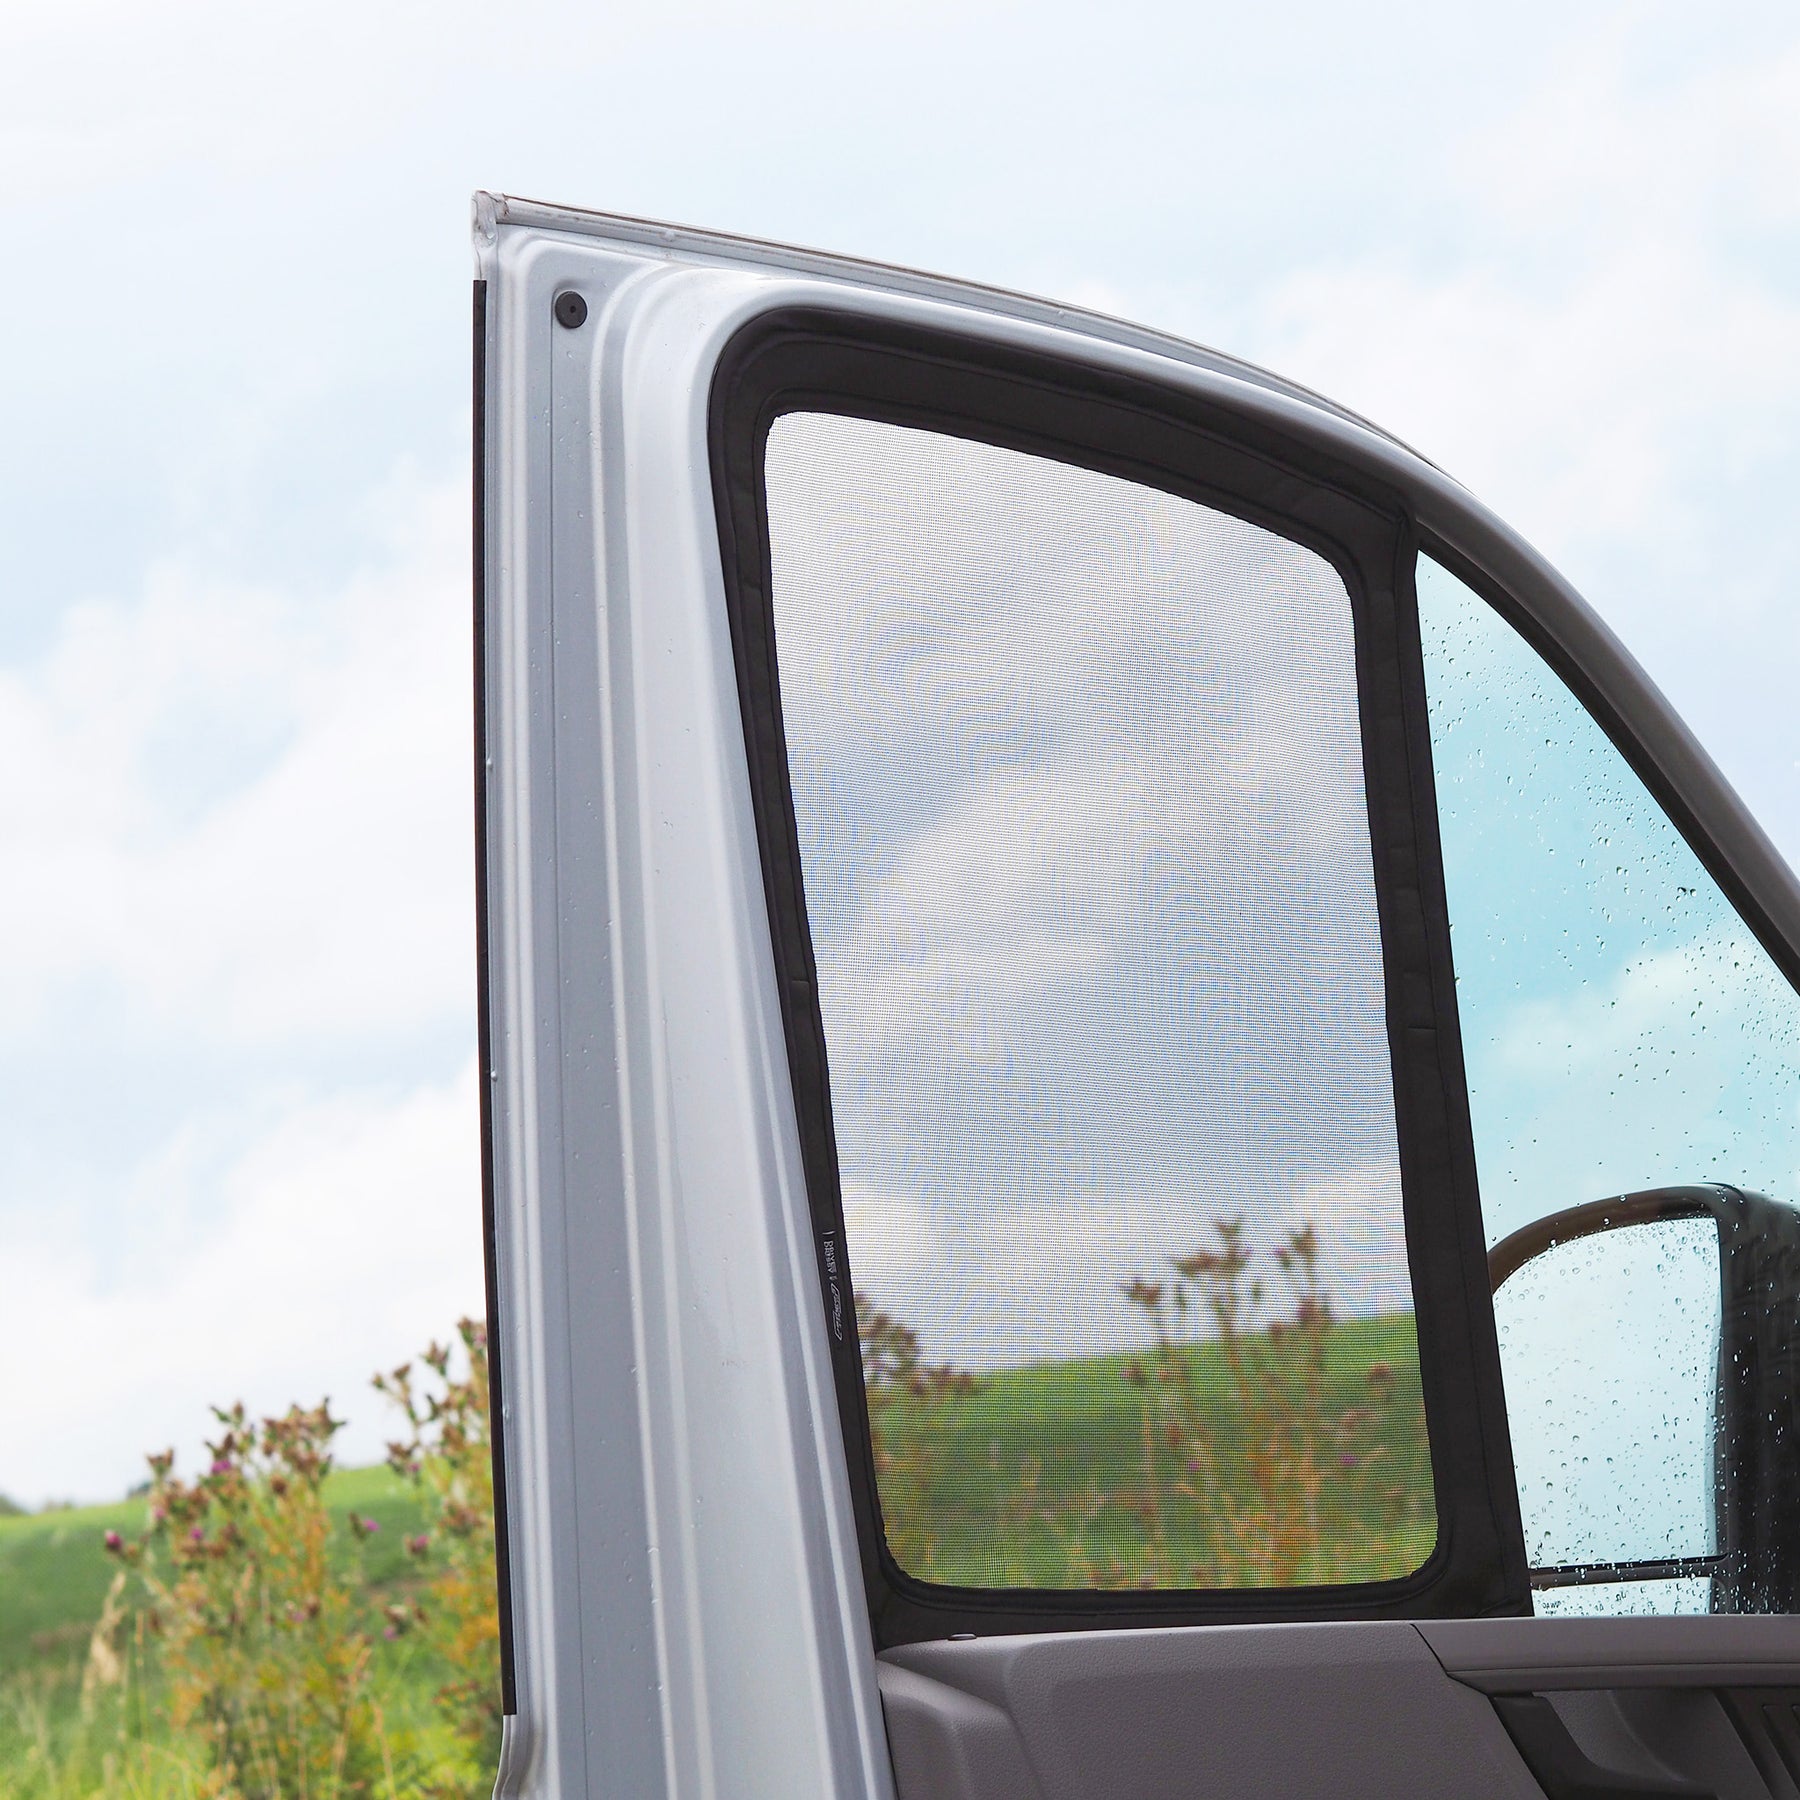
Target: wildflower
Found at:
x=1202, y=1262
x=114, y=1543
x=197, y=1534
x=221, y=1466
x=1347, y=1460
x=418, y=1545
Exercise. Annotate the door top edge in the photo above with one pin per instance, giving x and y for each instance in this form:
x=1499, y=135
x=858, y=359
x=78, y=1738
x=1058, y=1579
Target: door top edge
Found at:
x=492, y=213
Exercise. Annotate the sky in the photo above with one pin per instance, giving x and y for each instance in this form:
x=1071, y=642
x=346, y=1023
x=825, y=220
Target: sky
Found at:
x=1557, y=250
x=1077, y=776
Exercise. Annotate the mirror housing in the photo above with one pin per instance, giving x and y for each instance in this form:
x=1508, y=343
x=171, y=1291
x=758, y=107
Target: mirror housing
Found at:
x=1755, y=1567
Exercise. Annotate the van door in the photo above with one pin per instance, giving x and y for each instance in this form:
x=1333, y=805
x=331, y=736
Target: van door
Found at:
x=990, y=1231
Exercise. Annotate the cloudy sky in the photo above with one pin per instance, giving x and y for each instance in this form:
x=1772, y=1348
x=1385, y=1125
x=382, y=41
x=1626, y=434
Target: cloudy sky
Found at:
x=1557, y=249
x=1077, y=771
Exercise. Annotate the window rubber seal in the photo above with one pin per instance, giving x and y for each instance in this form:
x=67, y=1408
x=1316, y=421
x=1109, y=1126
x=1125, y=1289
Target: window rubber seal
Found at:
x=484, y=1028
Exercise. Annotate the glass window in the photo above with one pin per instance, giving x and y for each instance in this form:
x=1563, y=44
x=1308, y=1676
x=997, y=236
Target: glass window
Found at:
x=1077, y=776
x=1625, y=1033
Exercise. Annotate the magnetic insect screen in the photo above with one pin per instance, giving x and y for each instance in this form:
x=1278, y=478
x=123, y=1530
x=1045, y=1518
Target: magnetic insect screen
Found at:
x=1077, y=774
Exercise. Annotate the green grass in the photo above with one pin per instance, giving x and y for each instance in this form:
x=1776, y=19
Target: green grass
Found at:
x=1012, y=1471
x=54, y=1571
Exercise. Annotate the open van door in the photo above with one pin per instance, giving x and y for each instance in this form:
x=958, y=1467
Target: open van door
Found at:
x=1058, y=916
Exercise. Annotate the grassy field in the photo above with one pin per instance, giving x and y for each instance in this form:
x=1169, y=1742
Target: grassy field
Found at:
x=1042, y=1470
x=54, y=1576
x=54, y=1572
x=1059, y=1475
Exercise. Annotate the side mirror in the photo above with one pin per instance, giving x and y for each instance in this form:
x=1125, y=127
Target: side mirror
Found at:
x=1650, y=1346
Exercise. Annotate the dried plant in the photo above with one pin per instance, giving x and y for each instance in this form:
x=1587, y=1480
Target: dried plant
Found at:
x=1252, y=1517
x=256, y=1623
x=449, y=1454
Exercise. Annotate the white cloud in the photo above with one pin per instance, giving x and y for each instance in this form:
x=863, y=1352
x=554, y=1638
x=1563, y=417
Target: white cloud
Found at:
x=1700, y=154
x=1681, y=1067
x=239, y=902
x=1576, y=406
x=349, y=1237
x=98, y=88
x=248, y=810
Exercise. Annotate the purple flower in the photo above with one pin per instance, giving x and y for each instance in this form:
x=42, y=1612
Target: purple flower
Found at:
x=1347, y=1460
x=198, y=1534
x=221, y=1466
x=114, y=1541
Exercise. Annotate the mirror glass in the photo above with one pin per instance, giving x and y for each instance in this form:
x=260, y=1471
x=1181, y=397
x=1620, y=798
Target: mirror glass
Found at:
x=1610, y=1346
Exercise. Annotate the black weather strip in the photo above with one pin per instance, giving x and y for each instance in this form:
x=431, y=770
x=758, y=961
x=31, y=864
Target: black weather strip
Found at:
x=484, y=1032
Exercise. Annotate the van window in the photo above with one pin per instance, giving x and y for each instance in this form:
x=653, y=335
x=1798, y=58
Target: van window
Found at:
x=1077, y=777
x=1626, y=1035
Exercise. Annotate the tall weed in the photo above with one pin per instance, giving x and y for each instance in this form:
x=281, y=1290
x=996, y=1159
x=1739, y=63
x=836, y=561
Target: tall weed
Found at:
x=261, y=1646
x=1258, y=1450
x=447, y=1452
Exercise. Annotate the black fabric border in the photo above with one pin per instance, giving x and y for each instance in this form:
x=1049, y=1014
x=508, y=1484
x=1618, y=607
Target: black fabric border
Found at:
x=818, y=360
x=484, y=1030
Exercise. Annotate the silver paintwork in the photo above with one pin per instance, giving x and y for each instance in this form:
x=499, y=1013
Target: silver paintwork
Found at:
x=689, y=1616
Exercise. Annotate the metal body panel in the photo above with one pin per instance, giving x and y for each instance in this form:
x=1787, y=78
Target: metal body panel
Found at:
x=683, y=1579
x=687, y=1607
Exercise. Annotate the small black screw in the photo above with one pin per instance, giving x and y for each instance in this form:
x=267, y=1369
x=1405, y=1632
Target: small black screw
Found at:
x=571, y=309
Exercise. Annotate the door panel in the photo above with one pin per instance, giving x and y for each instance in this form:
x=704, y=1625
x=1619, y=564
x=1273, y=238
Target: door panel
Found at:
x=1252, y=1711
x=699, y=1573
x=1711, y=1701
x=1651, y=1706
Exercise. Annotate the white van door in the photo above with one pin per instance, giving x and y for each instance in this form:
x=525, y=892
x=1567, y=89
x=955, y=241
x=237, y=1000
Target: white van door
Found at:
x=1058, y=914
